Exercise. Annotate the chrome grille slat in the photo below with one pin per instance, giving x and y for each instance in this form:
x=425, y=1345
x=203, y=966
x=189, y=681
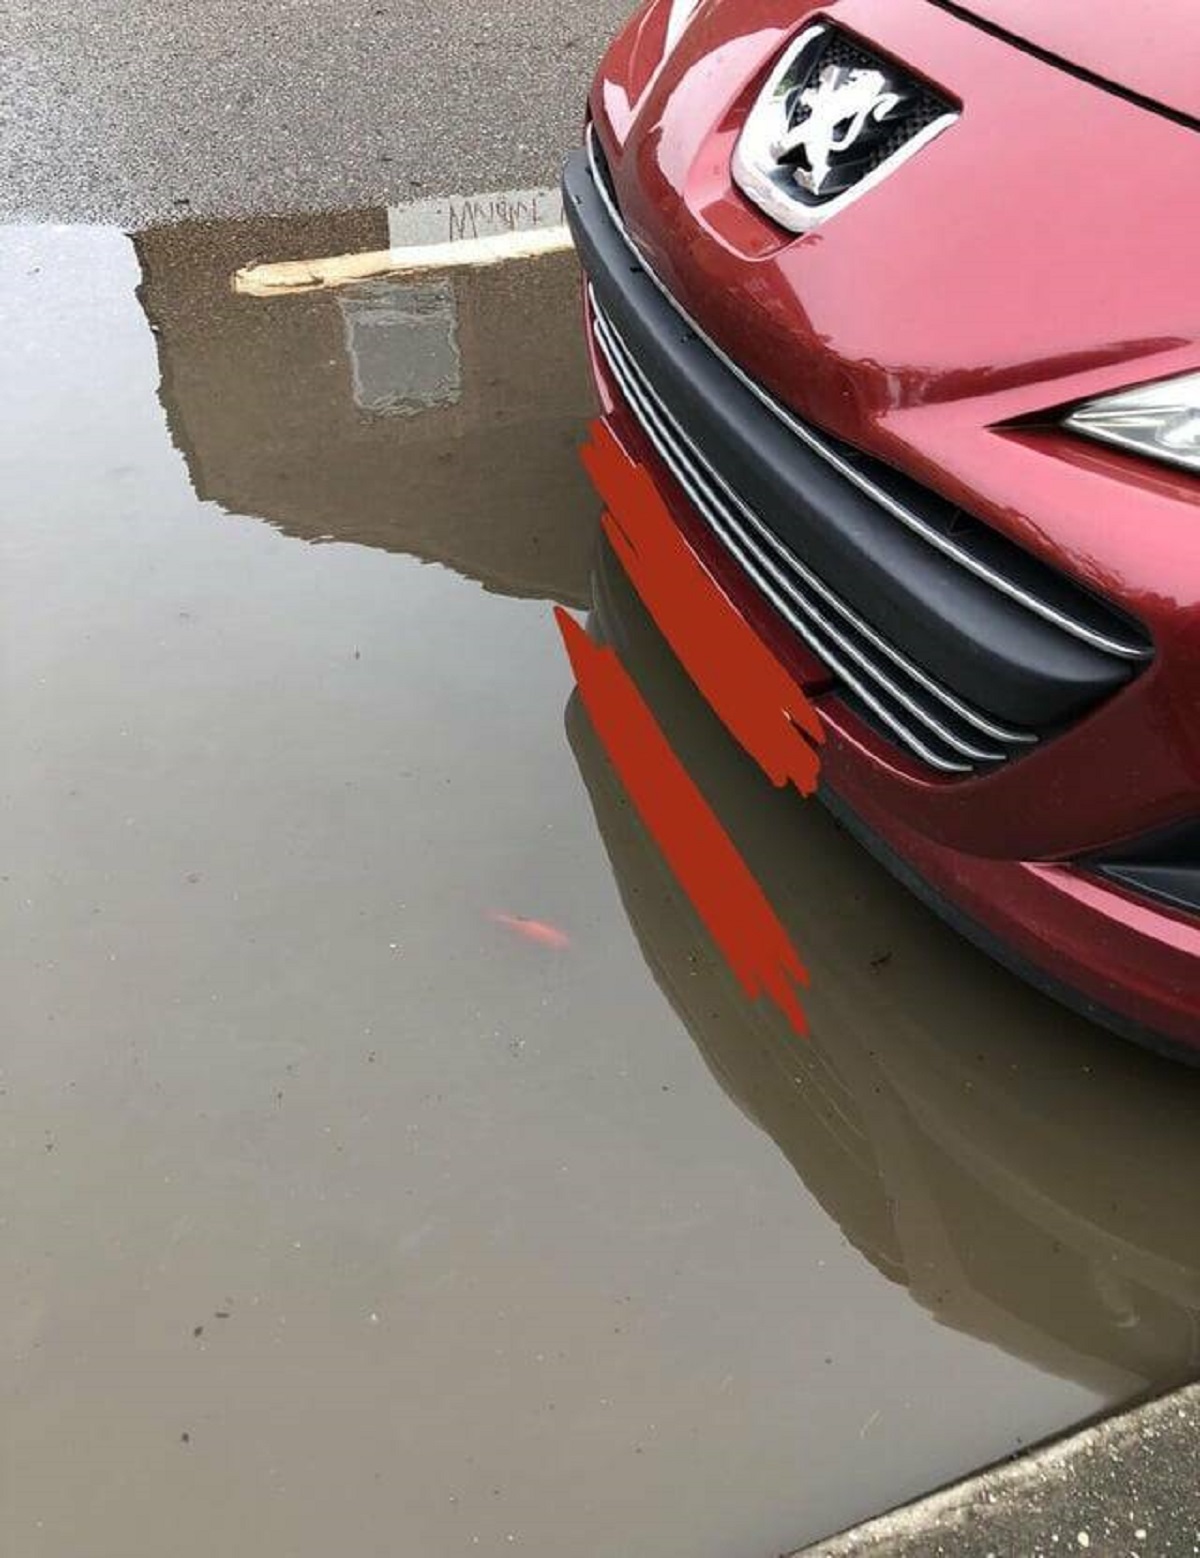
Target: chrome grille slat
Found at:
x=1121, y=649
x=831, y=645
x=788, y=560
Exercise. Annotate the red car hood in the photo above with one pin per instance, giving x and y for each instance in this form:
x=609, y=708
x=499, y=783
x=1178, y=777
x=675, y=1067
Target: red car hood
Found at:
x=1149, y=47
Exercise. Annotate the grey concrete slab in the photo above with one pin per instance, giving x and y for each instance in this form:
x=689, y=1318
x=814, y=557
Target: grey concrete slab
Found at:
x=1125, y=1486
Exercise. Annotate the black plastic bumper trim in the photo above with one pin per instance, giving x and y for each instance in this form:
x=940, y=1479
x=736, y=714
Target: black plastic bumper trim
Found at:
x=980, y=643
x=1164, y=866
x=938, y=727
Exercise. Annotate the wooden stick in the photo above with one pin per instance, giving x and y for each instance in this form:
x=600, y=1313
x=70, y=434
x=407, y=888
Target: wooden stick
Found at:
x=343, y=270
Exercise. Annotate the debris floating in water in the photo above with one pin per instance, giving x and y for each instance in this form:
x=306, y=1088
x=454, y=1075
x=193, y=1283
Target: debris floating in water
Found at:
x=533, y=930
x=278, y=278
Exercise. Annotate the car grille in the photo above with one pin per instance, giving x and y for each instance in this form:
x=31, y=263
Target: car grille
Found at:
x=887, y=686
x=929, y=719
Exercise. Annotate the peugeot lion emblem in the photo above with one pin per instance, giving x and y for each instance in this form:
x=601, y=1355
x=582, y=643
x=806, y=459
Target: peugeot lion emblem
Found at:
x=830, y=118
x=831, y=122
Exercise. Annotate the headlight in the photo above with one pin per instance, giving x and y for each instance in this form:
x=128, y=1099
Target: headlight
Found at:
x=678, y=17
x=1159, y=420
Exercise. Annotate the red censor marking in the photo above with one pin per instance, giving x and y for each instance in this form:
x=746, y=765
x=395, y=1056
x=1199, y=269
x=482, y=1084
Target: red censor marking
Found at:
x=533, y=930
x=758, y=701
x=710, y=870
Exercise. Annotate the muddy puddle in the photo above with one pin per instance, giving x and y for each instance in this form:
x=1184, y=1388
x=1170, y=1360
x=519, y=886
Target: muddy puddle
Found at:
x=344, y=1208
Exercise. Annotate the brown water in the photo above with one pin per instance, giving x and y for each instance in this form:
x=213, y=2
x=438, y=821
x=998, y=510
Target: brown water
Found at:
x=337, y=1214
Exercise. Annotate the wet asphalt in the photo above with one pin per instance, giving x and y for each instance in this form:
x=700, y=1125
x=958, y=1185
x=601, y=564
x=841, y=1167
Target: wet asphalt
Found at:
x=391, y=1161
x=127, y=111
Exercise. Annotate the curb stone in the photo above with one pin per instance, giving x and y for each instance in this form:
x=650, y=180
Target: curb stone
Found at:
x=1127, y=1486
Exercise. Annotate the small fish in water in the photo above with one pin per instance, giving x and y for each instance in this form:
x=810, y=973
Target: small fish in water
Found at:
x=533, y=930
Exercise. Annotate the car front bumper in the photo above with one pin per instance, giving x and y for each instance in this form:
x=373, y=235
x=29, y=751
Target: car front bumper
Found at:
x=926, y=675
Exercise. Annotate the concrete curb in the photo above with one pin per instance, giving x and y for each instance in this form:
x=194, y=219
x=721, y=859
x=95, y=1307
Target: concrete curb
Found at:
x=1125, y=1487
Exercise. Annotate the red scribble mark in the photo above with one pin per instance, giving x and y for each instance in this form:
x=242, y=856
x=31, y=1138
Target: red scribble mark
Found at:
x=756, y=698
x=710, y=870
x=533, y=930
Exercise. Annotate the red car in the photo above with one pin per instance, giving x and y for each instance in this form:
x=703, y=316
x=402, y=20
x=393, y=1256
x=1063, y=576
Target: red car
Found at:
x=898, y=301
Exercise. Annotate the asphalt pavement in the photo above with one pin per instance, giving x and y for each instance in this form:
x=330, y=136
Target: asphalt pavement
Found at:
x=1119, y=1488
x=131, y=112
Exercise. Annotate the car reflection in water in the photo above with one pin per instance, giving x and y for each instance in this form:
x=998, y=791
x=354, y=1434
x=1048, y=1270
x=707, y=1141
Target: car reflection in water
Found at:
x=1027, y=1177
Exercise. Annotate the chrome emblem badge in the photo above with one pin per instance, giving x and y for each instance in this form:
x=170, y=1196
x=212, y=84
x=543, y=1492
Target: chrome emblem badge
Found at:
x=829, y=119
x=832, y=120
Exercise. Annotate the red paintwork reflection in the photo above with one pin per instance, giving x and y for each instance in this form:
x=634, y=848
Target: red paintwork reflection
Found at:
x=759, y=702
x=701, y=854
x=761, y=706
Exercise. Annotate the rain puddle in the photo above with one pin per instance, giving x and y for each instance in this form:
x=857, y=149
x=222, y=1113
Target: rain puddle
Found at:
x=372, y=1181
